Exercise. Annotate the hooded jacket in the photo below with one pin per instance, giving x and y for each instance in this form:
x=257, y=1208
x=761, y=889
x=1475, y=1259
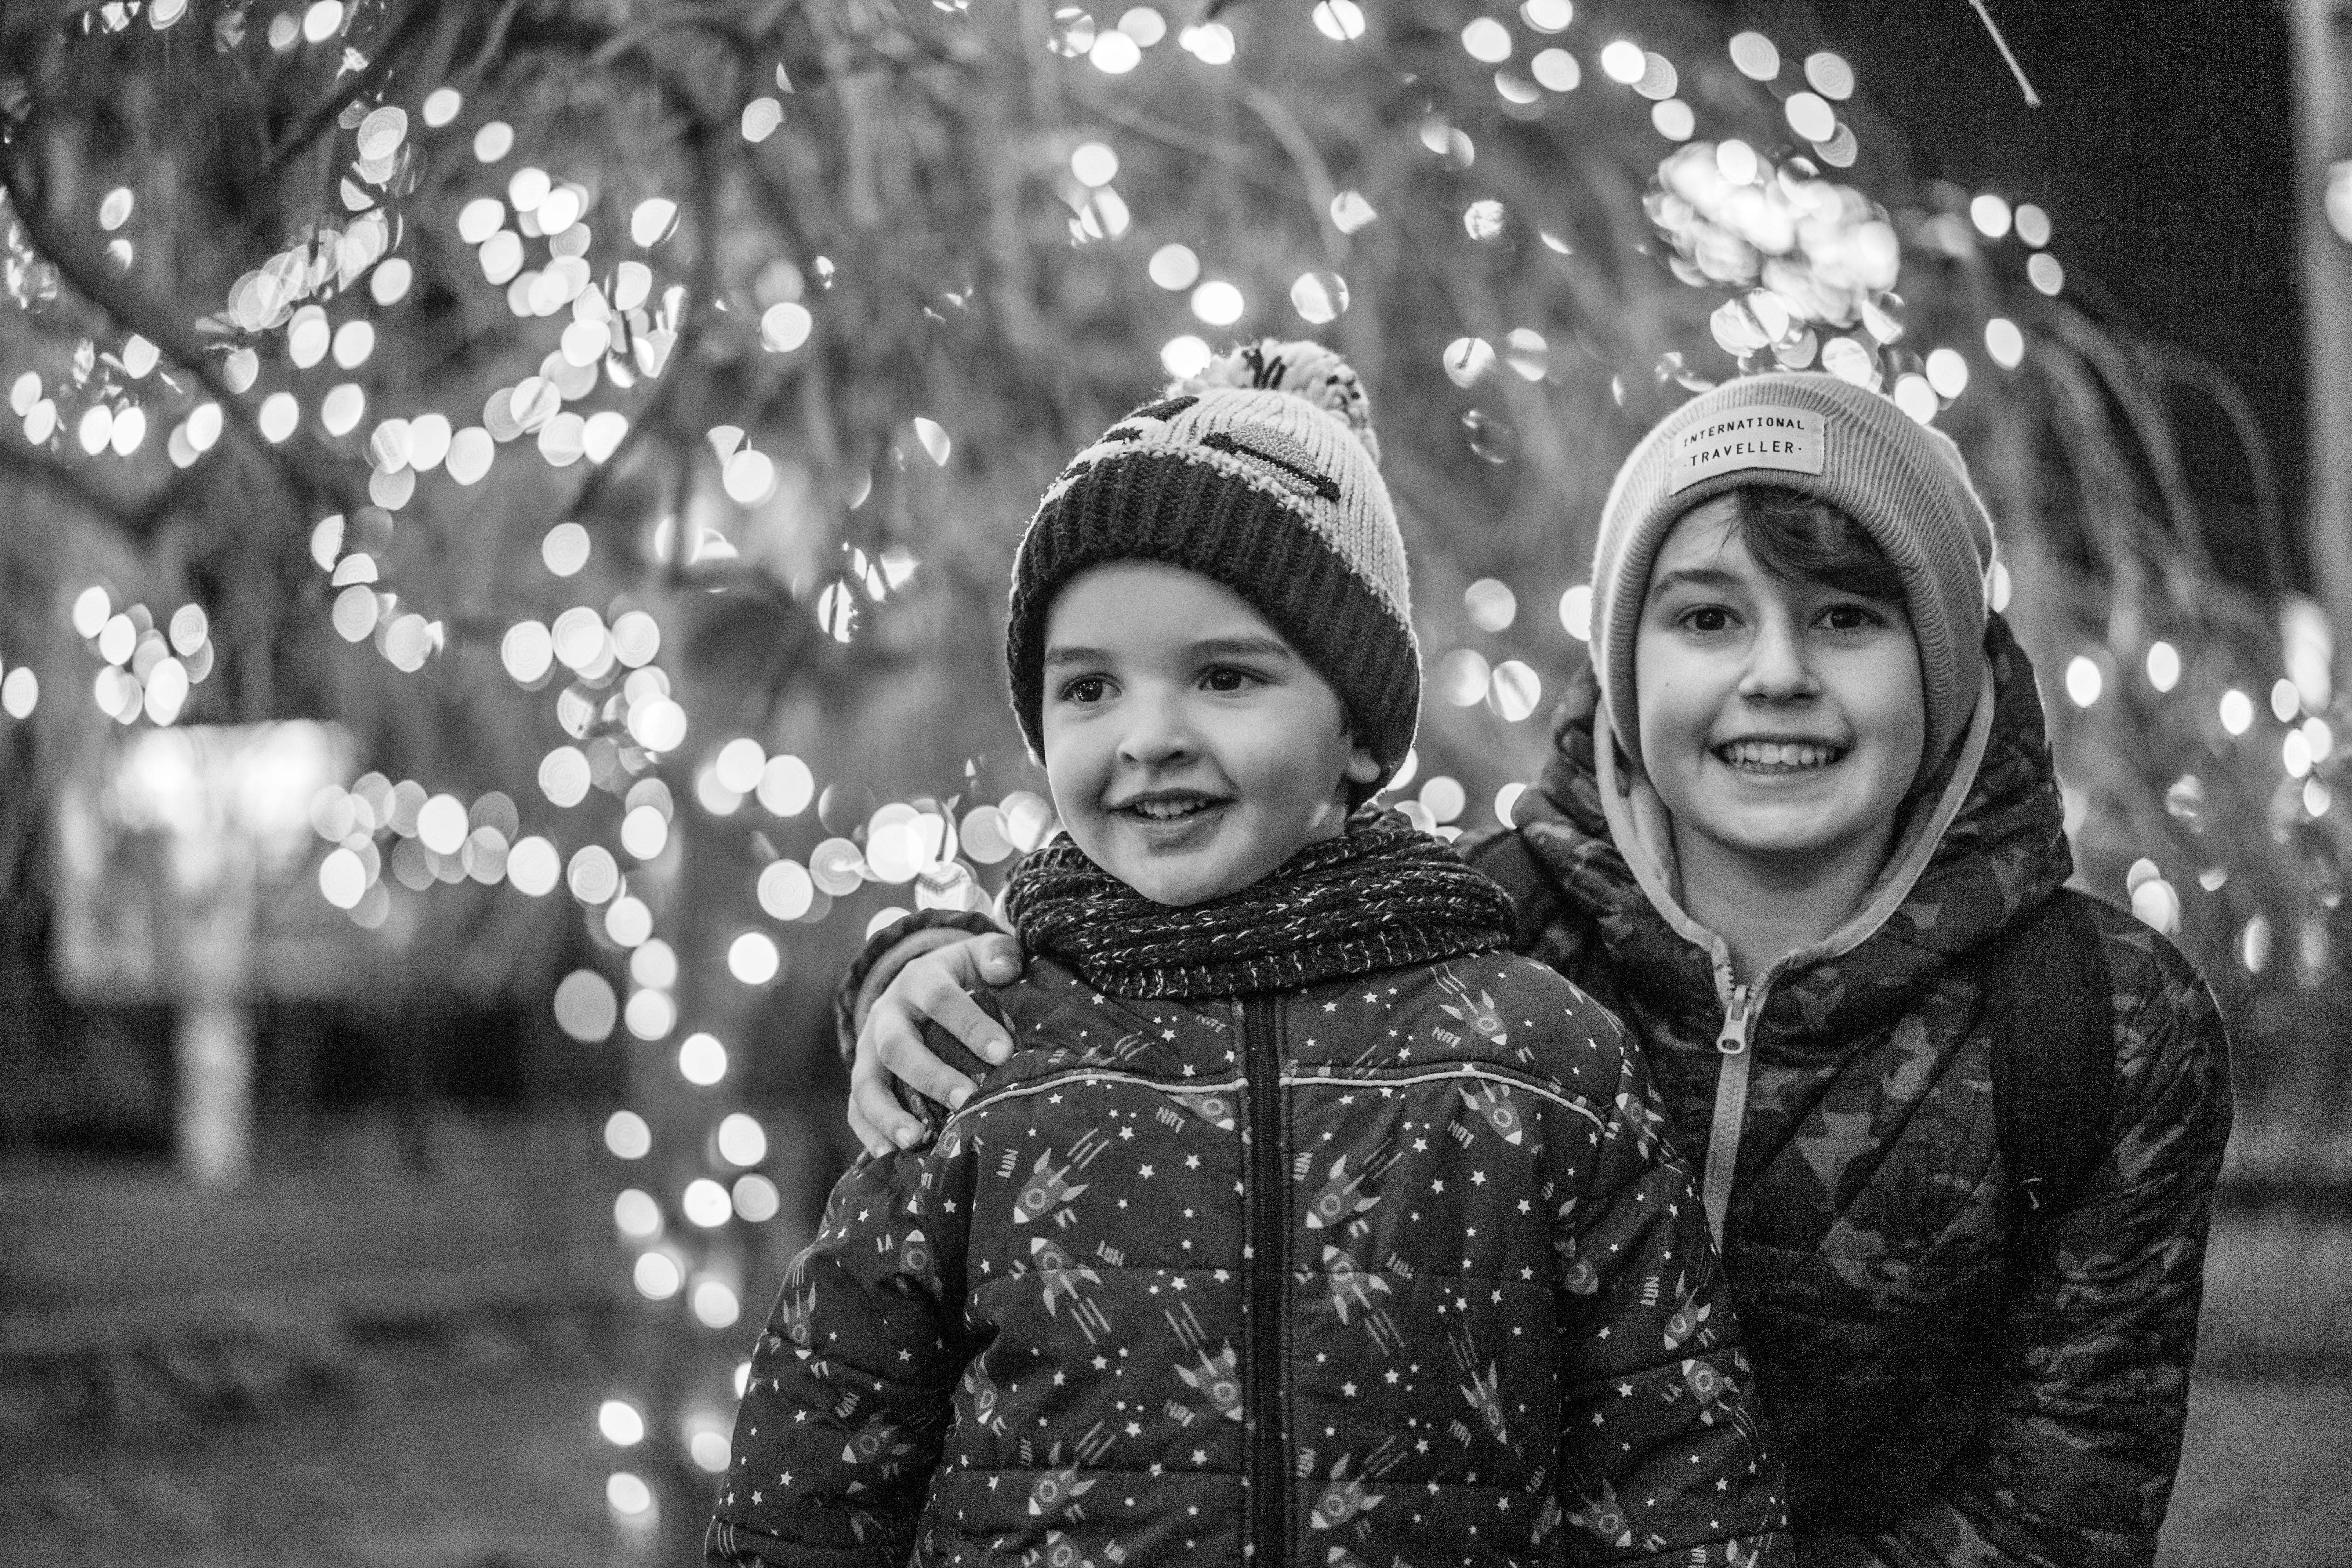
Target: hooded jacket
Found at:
x=1394, y=1268
x=1868, y=1236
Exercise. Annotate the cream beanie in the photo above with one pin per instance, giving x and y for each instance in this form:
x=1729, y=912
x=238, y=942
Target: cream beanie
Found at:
x=1823, y=437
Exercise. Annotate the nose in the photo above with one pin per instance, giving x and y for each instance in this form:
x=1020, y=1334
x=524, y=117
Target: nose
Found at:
x=1159, y=730
x=1779, y=668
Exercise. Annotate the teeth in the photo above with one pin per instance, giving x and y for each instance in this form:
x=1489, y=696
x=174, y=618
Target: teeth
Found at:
x=1167, y=810
x=1778, y=754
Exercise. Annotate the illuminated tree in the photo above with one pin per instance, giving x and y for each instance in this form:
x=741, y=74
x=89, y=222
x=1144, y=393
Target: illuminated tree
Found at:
x=620, y=418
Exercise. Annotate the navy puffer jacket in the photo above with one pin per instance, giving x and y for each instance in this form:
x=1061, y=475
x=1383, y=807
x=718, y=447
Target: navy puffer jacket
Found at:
x=1399, y=1267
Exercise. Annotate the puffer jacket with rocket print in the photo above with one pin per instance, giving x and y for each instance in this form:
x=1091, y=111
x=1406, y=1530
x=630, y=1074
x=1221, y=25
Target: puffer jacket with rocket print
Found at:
x=1869, y=1237
x=1391, y=1269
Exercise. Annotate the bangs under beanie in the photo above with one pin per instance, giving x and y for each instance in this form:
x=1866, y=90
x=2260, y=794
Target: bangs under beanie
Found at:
x=1822, y=436
x=1262, y=474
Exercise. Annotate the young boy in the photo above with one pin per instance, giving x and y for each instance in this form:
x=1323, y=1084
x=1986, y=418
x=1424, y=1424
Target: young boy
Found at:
x=1305, y=1226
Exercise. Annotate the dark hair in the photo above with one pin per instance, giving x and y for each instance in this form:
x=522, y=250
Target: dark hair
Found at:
x=1798, y=538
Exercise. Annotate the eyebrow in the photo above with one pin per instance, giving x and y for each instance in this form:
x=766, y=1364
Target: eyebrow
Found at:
x=1247, y=645
x=1694, y=577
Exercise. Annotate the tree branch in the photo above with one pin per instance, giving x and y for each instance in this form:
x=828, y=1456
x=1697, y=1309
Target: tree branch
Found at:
x=299, y=457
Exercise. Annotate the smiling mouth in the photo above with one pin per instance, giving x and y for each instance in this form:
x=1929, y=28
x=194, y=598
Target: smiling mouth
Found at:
x=1778, y=756
x=1168, y=807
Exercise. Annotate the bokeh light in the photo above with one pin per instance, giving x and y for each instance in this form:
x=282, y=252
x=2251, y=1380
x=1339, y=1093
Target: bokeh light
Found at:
x=741, y=1141
x=627, y=1136
x=702, y=1059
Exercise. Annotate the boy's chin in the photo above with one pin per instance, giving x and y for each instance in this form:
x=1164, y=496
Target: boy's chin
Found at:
x=1177, y=885
x=1191, y=875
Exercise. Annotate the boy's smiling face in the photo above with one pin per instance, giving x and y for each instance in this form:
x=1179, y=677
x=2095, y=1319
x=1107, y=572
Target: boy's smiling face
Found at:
x=1780, y=722
x=1191, y=750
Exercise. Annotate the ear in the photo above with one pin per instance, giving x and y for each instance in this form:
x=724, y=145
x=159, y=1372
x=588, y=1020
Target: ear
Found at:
x=1362, y=767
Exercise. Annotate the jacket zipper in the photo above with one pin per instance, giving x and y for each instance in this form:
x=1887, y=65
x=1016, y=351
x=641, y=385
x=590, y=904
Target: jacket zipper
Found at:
x=1731, y=1043
x=1267, y=1265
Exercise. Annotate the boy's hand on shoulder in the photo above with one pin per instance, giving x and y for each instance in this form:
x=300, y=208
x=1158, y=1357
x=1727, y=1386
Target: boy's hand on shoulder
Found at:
x=935, y=988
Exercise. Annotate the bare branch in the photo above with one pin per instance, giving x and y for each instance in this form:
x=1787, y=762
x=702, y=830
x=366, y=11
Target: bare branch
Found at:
x=299, y=457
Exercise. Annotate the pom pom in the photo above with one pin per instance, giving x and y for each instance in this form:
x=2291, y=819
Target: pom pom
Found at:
x=1302, y=368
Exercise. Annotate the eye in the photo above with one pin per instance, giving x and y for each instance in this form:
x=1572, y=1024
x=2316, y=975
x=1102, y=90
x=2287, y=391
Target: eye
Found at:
x=1225, y=678
x=1707, y=619
x=1851, y=617
x=1084, y=689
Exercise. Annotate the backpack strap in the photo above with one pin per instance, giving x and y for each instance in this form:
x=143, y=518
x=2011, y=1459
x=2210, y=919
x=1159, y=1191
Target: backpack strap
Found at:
x=2050, y=1000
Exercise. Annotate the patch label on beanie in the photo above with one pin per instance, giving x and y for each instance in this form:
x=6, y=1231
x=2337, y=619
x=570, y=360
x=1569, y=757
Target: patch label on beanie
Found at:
x=1763, y=436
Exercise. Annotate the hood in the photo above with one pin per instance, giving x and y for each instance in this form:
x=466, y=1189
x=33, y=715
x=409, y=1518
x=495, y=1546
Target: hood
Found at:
x=1985, y=843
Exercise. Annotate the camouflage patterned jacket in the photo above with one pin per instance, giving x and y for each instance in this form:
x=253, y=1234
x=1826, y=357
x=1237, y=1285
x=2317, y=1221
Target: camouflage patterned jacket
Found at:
x=1394, y=1269
x=1868, y=1231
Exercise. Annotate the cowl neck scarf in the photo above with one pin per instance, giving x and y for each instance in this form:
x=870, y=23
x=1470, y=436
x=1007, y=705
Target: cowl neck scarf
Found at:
x=1382, y=895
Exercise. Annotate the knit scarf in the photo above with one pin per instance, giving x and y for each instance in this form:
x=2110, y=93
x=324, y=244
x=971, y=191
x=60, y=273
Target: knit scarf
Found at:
x=1382, y=895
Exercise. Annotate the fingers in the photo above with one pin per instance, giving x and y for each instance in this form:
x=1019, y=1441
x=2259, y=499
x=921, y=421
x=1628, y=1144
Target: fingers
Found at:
x=903, y=951
x=880, y=1123
x=938, y=987
x=998, y=960
x=899, y=1044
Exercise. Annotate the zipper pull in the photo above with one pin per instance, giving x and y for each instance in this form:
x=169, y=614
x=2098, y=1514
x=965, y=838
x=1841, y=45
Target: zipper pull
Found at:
x=1738, y=1022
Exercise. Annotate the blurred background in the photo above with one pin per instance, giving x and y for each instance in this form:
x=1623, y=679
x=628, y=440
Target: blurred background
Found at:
x=504, y=513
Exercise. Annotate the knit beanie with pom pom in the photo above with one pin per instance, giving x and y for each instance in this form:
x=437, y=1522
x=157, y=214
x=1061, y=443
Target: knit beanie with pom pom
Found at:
x=1262, y=474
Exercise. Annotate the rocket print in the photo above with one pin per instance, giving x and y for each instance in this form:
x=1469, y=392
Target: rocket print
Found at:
x=880, y=1442
x=1049, y=1187
x=980, y=1389
x=1687, y=1320
x=1344, y=1500
x=1604, y=1516
x=1576, y=1271
x=1483, y=1394
x=1352, y=1288
x=1492, y=1101
x=1647, y=1122
x=1215, y=1109
x=1062, y=1274
x=1477, y=1015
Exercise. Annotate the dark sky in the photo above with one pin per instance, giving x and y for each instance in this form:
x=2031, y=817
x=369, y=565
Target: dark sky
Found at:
x=2163, y=152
